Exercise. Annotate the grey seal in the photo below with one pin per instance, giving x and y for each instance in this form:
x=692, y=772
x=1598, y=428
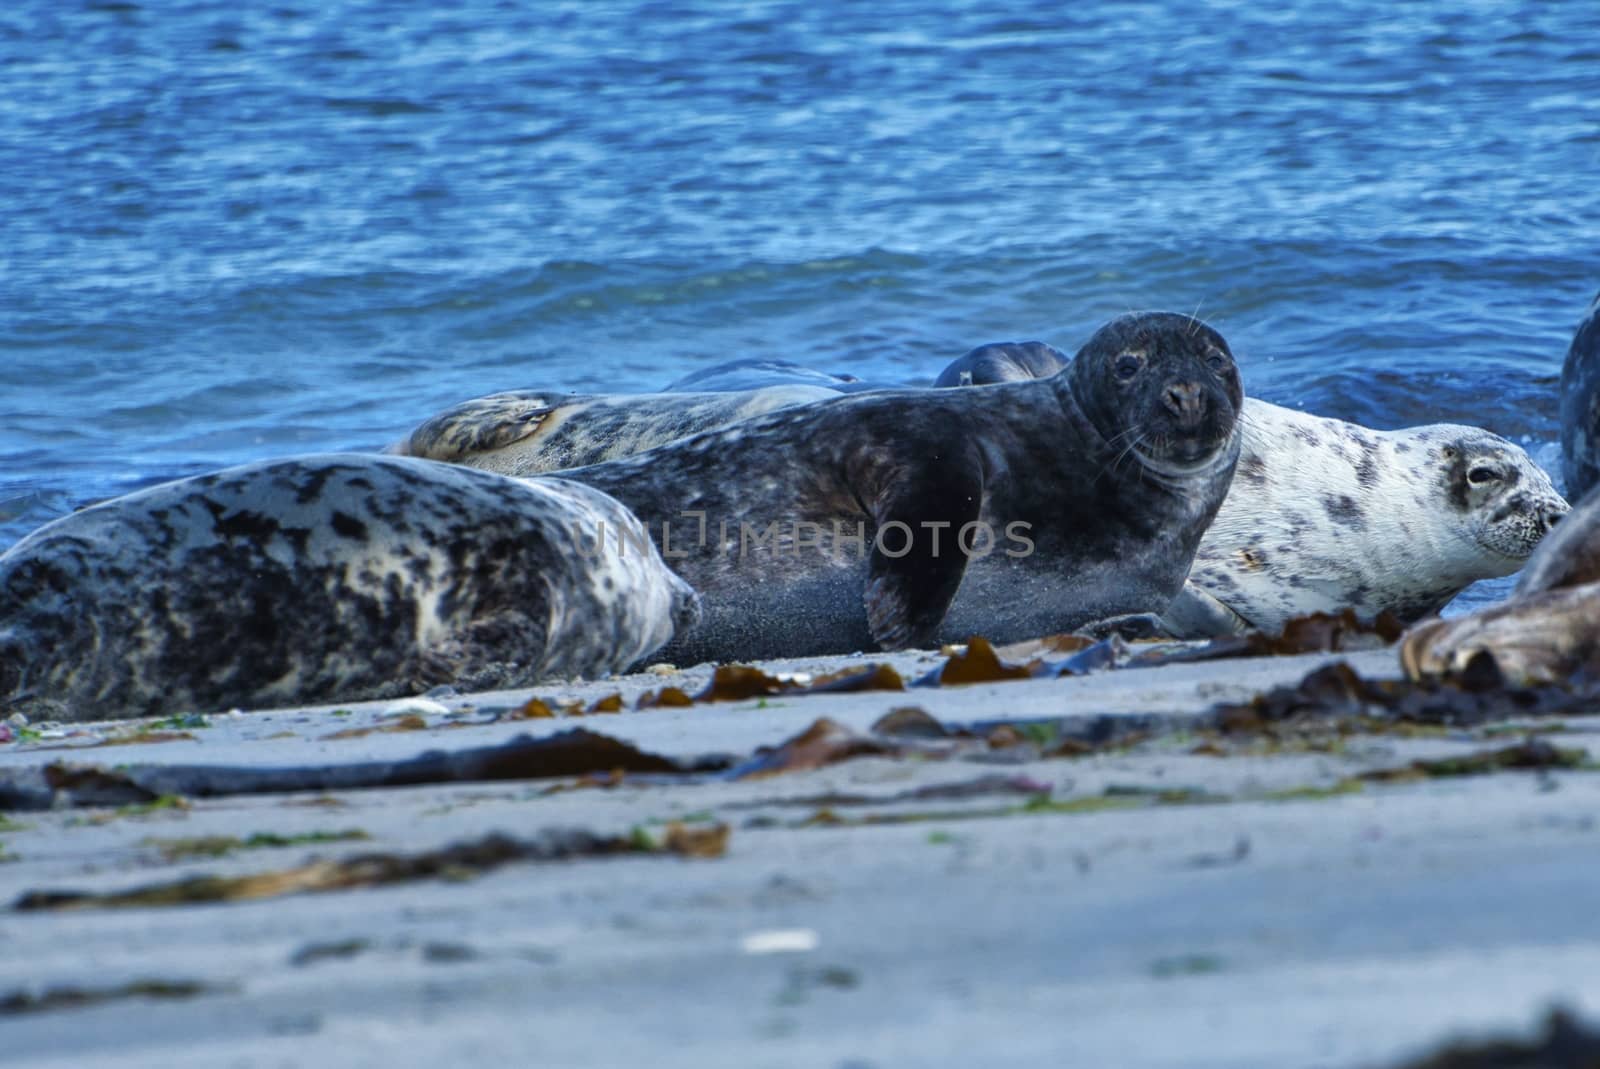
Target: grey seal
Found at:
x=903, y=517
x=526, y=432
x=1580, y=406
x=756, y=373
x=1326, y=515
x=326, y=578
x=1547, y=631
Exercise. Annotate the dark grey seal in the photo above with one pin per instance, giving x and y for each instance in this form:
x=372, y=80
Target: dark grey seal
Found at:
x=1580, y=407
x=326, y=578
x=906, y=517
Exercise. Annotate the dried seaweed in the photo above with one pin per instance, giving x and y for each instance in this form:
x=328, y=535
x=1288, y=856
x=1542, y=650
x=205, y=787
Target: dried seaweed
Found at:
x=1337, y=691
x=457, y=861
x=1530, y=755
x=71, y=998
x=568, y=753
x=825, y=742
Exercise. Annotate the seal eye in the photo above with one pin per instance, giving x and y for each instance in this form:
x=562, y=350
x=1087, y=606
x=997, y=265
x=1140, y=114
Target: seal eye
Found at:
x=1216, y=360
x=1480, y=475
x=1127, y=365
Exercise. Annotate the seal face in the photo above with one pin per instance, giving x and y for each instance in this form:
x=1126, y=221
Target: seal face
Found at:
x=528, y=432
x=1580, y=407
x=901, y=517
x=1546, y=632
x=320, y=578
x=1325, y=515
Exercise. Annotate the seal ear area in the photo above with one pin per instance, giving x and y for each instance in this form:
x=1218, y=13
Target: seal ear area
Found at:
x=481, y=425
x=917, y=562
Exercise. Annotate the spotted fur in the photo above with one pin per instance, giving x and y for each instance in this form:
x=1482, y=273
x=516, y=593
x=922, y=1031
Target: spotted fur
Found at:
x=1398, y=521
x=528, y=432
x=1548, y=631
x=326, y=578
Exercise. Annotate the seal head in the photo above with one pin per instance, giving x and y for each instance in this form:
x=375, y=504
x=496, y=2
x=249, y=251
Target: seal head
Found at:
x=1161, y=387
x=1548, y=631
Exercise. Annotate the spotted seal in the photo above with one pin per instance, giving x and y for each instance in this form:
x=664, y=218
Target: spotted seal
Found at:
x=902, y=517
x=1580, y=406
x=525, y=432
x=1325, y=515
x=322, y=578
x=1547, y=631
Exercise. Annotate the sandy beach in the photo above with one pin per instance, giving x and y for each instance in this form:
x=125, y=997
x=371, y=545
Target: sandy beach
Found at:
x=961, y=902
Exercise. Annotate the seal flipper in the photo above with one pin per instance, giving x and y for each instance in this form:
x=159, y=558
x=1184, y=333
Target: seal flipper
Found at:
x=1196, y=614
x=481, y=425
x=908, y=595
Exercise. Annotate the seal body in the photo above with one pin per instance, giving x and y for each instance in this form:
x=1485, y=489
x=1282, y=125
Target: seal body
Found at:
x=1008, y=361
x=1580, y=407
x=322, y=578
x=1325, y=515
x=903, y=517
x=1548, y=631
x=739, y=376
x=527, y=432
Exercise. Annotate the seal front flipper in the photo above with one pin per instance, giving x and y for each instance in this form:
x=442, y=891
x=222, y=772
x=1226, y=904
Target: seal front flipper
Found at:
x=917, y=560
x=1196, y=614
x=481, y=425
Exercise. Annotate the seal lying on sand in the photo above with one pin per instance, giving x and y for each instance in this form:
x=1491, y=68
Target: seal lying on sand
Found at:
x=321, y=578
x=1326, y=515
x=905, y=517
x=525, y=432
x=1580, y=407
x=1546, y=632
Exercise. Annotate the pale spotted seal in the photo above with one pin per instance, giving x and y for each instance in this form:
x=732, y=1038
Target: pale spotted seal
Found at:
x=525, y=432
x=1326, y=515
x=904, y=517
x=1580, y=407
x=1548, y=631
x=323, y=578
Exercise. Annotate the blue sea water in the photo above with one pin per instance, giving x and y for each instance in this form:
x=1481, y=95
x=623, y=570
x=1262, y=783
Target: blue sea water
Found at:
x=234, y=231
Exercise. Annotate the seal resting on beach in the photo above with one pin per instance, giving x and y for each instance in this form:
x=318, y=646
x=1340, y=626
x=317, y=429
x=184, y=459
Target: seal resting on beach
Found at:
x=907, y=517
x=326, y=578
x=1547, y=631
x=1580, y=406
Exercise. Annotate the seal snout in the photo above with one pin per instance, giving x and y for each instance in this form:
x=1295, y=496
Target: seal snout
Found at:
x=1186, y=401
x=1551, y=515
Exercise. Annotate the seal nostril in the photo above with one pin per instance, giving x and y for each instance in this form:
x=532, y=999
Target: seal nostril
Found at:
x=1183, y=399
